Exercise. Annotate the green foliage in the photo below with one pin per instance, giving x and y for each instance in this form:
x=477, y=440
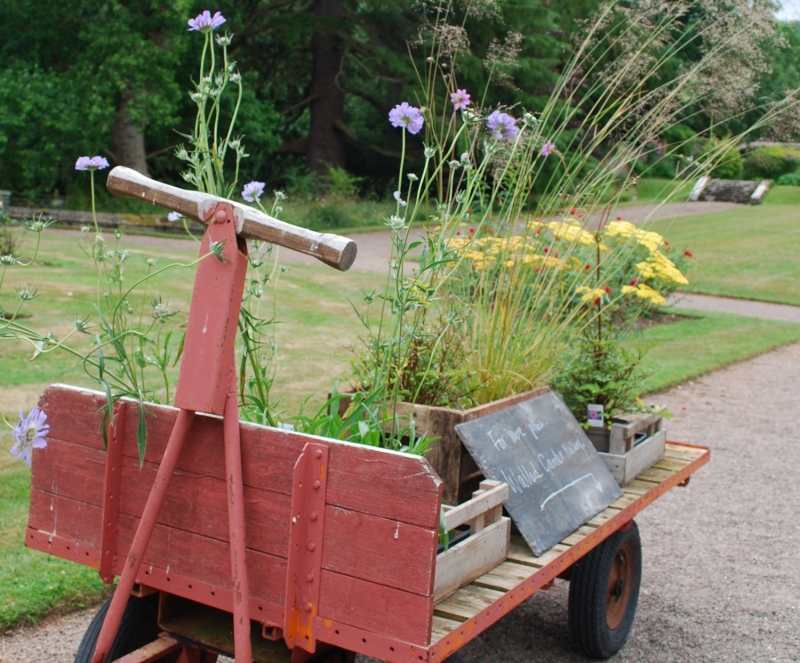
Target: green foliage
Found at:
x=771, y=162
x=728, y=160
x=32, y=583
x=603, y=373
x=363, y=419
x=789, y=179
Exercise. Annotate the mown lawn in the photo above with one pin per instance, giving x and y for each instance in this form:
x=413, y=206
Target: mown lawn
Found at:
x=751, y=252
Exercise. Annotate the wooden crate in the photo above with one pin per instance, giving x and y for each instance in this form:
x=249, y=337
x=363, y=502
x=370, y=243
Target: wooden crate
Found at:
x=624, y=457
x=484, y=549
x=448, y=456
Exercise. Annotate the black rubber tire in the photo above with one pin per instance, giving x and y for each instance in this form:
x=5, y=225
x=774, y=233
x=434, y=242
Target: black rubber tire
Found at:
x=138, y=627
x=592, y=601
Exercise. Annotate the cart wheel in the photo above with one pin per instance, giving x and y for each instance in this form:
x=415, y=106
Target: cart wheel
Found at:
x=138, y=627
x=603, y=593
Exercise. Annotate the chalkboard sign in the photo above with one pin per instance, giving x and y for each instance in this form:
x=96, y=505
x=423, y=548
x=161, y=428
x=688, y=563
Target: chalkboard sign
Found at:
x=557, y=480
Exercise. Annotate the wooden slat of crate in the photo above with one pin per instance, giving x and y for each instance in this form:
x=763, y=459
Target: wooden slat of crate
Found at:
x=366, y=518
x=443, y=627
x=671, y=464
x=481, y=552
x=655, y=475
x=466, y=603
x=505, y=577
x=683, y=453
x=578, y=535
x=604, y=516
x=520, y=553
x=624, y=501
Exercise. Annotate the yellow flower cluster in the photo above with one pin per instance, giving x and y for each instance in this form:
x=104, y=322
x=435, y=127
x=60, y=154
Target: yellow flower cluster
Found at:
x=591, y=293
x=568, y=229
x=644, y=292
x=625, y=230
x=660, y=267
x=487, y=251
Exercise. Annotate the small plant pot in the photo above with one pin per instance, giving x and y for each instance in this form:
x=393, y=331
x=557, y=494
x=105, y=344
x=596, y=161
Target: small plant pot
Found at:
x=634, y=444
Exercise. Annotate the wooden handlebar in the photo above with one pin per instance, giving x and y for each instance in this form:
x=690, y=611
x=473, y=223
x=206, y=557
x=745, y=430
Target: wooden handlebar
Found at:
x=333, y=250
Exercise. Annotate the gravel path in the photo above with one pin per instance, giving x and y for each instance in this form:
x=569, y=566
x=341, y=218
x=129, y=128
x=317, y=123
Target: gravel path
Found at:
x=765, y=310
x=721, y=577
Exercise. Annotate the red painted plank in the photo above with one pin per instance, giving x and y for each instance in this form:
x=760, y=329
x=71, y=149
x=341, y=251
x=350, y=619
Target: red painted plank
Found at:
x=194, y=502
x=358, y=478
x=383, y=551
x=356, y=544
x=376, y=608
x=67, y=518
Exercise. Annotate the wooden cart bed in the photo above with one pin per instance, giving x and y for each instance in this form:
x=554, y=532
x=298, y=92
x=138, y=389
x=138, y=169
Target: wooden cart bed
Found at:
x=472, y=609
x=368, y=551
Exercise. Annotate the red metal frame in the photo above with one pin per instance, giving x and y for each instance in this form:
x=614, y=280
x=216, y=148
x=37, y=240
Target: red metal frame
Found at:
x=207, y=383
x=111, y=492
x=304, y=565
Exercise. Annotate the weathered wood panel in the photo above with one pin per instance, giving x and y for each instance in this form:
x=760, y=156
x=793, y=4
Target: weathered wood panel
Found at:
x=376, y=608
x=381, y=519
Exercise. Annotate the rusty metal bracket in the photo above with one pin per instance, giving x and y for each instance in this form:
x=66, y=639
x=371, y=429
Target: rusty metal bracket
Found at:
x=112, y=485
x=685, y=482
x=309, y=484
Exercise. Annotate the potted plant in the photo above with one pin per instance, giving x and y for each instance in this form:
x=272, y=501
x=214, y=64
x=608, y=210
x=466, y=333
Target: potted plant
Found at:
x=601, y=380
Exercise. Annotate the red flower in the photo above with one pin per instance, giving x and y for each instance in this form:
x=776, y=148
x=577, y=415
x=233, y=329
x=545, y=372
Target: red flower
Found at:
x=588, y=267
x=572, y=211
x=666, y=243
x=458, y=232
x=608, y=290
x=597, y=302
x=472, y=230
x=635, y=281
x=688, y=254
x=546, y=249
x=619, y=218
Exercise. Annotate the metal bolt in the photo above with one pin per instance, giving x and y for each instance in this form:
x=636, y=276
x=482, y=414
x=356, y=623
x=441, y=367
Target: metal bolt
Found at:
x=307, y=607
x=318, y=453
x=317, y=484
x=313, y=515
x=310, y=577
x=219, y=216
x=312, y=546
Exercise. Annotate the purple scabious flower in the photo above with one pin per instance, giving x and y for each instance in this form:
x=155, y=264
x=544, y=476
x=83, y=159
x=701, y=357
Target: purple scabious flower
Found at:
x=547, y=148
x=174, y=216
x=503, y=125
x=253, y=191
x=460, y=99
x=397, y=197
x=408, y=117
x=205, y=22
x=91, y=163
x=29, y=434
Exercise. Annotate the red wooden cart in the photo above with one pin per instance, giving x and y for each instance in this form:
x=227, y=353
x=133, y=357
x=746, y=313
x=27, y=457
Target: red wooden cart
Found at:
x=341, y=540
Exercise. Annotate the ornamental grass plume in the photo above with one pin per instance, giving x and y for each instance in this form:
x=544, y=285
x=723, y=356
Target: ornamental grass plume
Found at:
x=537, y=190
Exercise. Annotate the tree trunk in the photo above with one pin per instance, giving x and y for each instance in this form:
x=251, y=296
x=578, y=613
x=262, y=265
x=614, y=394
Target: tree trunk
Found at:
x=325, y=145
x=127, y=140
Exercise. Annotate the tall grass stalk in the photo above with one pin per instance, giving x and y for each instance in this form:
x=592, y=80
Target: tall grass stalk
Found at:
x=508, y=284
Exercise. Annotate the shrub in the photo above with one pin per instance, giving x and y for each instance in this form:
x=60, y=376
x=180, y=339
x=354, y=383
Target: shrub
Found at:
x=771, y=162
x=730, y=163
x=789, y=179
